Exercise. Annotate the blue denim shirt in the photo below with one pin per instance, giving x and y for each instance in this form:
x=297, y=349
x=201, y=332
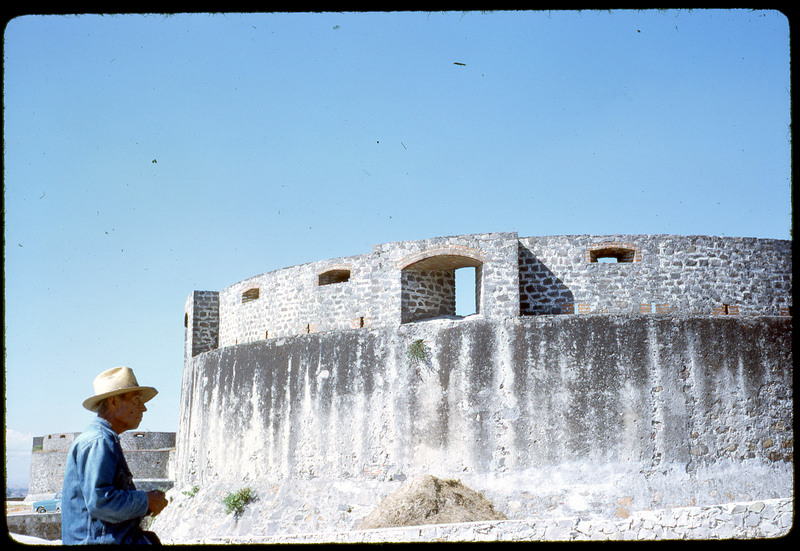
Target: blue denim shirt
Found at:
x=100, y=503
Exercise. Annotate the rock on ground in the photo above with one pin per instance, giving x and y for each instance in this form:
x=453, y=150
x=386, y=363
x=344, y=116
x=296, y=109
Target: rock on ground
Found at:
x=430, y=500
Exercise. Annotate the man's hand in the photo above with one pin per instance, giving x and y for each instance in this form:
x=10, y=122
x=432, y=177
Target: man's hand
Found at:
x=156, y=501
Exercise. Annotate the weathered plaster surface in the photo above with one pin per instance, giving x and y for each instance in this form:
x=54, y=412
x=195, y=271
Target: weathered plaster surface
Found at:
x=651, y=404
x=664, y=379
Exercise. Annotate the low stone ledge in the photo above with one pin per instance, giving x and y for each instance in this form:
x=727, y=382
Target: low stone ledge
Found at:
x=771, y=518
x=46, y=526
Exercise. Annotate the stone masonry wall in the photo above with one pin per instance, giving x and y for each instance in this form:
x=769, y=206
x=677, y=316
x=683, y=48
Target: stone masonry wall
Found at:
x=664, y=274
x=407, y=281
x=665, y=376
x=662, y=408
x=494, y=255
x=428, y=294
x=296, y=300
x=59, y=441
x=201, y=322
x=396, y=283
x=147, y=453
x=771, y=518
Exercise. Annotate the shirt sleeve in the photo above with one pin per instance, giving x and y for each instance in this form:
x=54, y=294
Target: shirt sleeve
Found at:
x=98, y=463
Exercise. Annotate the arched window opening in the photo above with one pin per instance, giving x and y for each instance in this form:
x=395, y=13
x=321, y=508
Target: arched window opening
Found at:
x=429, y=287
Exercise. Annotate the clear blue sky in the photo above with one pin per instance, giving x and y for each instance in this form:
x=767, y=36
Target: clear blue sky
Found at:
x=150, y=156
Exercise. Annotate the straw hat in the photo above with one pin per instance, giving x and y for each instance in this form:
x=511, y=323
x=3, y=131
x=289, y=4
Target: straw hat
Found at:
x=114, y=381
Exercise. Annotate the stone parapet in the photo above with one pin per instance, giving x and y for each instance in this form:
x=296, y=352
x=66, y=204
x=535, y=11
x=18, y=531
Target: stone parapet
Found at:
x=408, y=281
x=771, y=518
x=149, y=456
x=660, y=274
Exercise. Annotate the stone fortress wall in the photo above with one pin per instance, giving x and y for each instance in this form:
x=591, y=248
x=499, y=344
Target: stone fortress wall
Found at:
x=148, y=455
x=398, y=282
x=407, y=281
x=664, y=378
x=665, y=274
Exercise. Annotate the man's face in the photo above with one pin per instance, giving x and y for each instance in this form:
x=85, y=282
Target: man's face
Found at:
x=126, y=413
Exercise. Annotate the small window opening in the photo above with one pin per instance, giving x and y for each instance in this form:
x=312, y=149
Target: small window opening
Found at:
x=334, y=276
x=266, y=334
x=250, y=295
x=186, y=320
x=612, y=255
x=138, y=435
x=361, y=321
x=465, y=291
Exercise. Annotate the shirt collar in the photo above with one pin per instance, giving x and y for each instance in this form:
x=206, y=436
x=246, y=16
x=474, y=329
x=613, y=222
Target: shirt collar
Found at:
x=105, y=426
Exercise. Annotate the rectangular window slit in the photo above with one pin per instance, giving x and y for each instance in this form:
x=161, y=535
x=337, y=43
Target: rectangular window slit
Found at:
x=334, y=276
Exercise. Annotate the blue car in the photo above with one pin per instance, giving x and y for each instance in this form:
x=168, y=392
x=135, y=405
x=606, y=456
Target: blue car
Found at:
x=52, y=505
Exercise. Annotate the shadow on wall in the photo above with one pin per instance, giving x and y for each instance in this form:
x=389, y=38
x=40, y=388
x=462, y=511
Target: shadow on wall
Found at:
x=540, y=290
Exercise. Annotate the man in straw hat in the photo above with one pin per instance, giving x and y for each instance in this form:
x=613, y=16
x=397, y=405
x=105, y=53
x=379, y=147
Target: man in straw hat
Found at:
x=100, y=503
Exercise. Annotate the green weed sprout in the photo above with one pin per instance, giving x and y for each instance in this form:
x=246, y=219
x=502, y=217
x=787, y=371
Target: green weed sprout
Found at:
x=417, y=352
x=235, y=502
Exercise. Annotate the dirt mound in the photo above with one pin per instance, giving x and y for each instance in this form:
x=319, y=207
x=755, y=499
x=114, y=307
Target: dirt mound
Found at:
x=430, y=500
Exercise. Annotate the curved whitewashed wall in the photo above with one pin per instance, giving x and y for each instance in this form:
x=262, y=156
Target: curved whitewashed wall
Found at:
x=666, y=377
x=656, y=397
